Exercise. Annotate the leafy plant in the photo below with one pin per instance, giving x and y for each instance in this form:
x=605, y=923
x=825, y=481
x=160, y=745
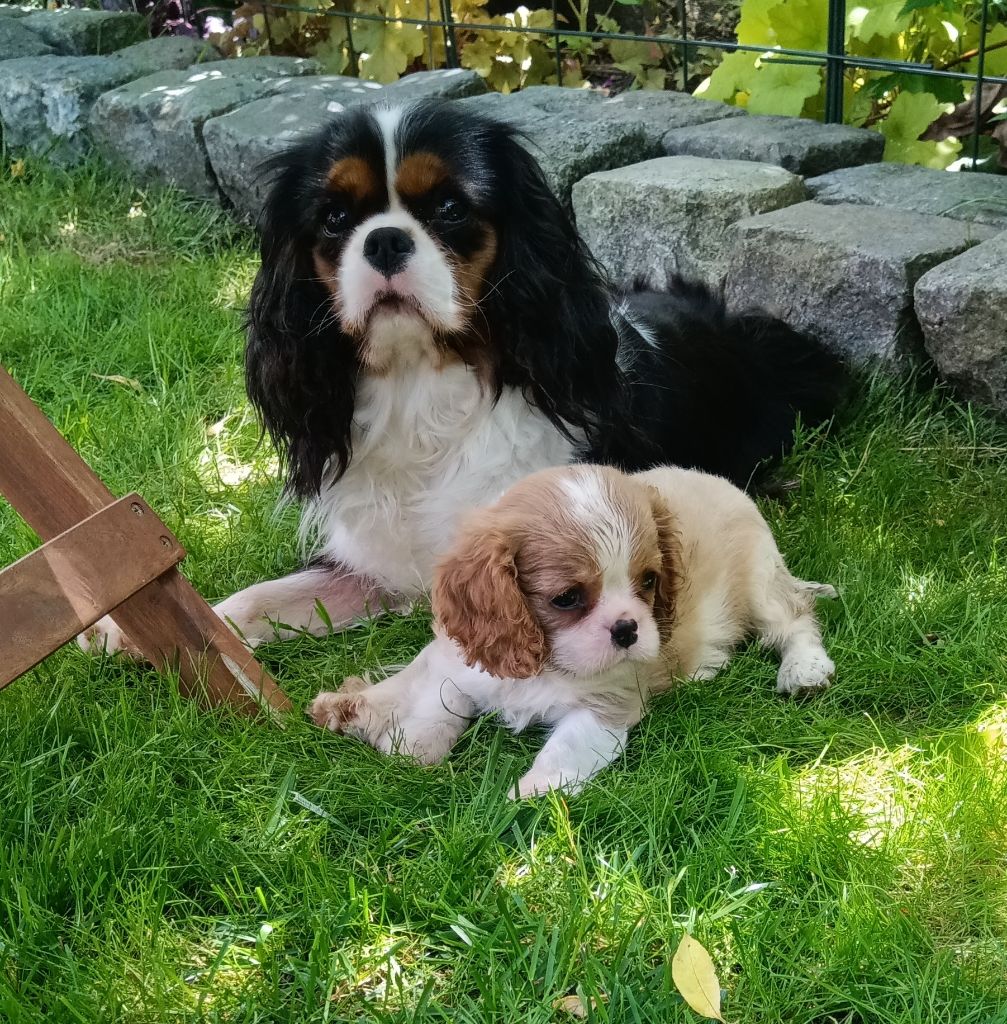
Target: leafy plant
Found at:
x=907, y=108
x=383, y=50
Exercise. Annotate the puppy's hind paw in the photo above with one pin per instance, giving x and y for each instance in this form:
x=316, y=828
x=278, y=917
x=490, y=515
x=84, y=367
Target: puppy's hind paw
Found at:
x=813, y=670
x=105, y=636
x=335, y=711
x=353, y=684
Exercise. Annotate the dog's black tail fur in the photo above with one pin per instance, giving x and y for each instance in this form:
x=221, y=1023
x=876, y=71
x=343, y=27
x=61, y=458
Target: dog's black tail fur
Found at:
x=716, y=390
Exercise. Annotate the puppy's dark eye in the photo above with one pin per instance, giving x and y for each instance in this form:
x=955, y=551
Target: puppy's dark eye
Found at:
x=648, y=581
x=450, y=210
x=337, y=219
x=569, y=599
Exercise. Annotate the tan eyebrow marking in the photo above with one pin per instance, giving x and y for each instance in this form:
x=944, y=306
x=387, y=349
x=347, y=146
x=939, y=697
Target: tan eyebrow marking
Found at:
x=354, y=176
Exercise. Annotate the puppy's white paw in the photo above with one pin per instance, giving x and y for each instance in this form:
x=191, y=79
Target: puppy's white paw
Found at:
x=538, y=784
x=338, y=711
x=106, y=636
x=809, y=670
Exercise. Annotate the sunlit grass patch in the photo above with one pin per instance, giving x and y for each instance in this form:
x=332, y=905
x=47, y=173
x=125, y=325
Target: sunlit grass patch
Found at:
x=843, y=859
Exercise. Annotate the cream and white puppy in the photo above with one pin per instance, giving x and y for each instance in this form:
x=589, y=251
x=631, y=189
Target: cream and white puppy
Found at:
x=580, y=593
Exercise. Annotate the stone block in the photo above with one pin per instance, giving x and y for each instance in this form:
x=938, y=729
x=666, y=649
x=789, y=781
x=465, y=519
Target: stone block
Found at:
x=45, y=104
x=845, y=273
x=567, y=146
x=962, y=309
x=796, y=144
x=653, y=112
x=154, y=126
x=981, y=198
x=76, y=31
x=447, y=83
x=675, y=214
x=17, y=41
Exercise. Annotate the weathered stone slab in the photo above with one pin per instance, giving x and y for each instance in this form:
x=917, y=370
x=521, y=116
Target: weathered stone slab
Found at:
x=9, y=11
x=675, y=213
x=154, y=125
x=239, y=143
x=448, y=83
x=566, y=146
x=845, y=273
x=655, y=113
x=962, y=308
x=45, y=104
x=17, y=41
x=77, y=31
x=981, y=198
x=797, y=144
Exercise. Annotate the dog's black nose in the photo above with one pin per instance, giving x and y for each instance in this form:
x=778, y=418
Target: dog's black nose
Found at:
x=624, y=633
x=387, y=249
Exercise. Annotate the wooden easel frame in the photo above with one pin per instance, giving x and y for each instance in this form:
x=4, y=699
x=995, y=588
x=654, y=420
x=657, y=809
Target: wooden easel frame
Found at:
x=102, y=556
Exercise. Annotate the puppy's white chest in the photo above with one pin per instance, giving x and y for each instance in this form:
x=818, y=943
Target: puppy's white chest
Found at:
x=428, y=446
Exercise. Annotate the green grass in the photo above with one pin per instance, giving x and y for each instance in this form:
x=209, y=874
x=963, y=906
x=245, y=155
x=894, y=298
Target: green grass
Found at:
x=842, y=858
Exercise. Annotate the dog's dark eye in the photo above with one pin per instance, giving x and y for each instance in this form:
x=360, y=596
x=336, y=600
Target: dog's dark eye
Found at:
x=336, y=219
x=450, y=210
x=569, y=599
x=648, y=581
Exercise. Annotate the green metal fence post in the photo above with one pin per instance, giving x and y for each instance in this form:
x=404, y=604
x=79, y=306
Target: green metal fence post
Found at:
x=450, y=43
x=980, y=73
x=835, y=63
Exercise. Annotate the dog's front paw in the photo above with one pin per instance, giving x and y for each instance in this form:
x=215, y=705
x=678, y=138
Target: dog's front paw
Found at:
x=539, y=784
x=811, y=671
x=338, y=711
x=106, y=636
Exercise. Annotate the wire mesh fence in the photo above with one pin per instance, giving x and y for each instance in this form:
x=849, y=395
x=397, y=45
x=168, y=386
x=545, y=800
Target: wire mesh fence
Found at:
x=684, y=39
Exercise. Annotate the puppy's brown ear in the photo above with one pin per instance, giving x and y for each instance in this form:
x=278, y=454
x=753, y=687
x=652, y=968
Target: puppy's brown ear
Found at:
x=478, y=603
x=670, y=577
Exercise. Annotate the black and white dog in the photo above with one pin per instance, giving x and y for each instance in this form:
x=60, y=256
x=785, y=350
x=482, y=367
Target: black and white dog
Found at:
x=427, y=327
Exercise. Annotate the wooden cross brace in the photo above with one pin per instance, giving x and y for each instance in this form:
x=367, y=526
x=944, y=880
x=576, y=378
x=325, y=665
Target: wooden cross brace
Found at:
x=102, y=556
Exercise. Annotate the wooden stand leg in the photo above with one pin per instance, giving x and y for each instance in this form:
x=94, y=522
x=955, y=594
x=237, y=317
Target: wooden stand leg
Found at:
x=54, y=490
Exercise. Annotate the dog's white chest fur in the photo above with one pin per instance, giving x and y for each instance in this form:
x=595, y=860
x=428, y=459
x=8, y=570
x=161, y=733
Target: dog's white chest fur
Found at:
x=428, y=446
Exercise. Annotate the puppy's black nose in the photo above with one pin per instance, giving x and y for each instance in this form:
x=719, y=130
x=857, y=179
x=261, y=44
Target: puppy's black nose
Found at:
x=387, y=249
x=624, y=633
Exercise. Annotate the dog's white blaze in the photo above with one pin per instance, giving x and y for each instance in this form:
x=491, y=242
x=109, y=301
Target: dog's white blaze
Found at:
x=388, y=120
x=607, y=527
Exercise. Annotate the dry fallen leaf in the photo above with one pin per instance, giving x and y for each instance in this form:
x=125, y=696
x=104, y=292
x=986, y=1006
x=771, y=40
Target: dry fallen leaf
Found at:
x=17, y=169
x=117, y=378
x=695, y=978
x=574, y=1006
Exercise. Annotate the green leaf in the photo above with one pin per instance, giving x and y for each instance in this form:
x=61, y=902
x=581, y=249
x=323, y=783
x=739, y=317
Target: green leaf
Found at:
x=910, y=115
x=801, y=24
x=921, y=5
x=733, y=74
x=780, y=88
x=878, y=18
x=754, y=28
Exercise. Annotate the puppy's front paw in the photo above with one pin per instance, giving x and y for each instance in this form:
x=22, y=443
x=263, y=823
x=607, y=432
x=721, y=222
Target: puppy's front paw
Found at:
x=537, y=784
x=812, y=670
x=337, y=711
x=106, y=636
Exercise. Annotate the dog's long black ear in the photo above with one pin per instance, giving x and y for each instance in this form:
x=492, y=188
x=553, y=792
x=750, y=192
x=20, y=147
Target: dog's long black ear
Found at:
x=300, y=369
x=547, y=303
